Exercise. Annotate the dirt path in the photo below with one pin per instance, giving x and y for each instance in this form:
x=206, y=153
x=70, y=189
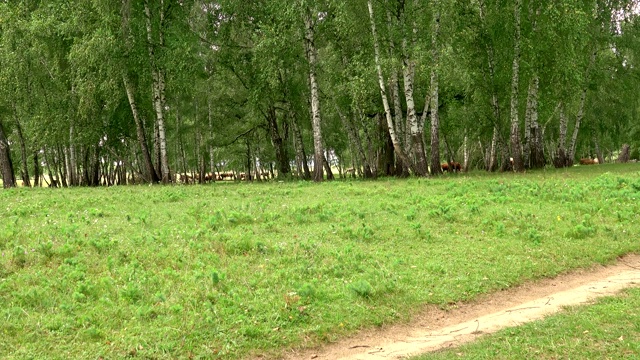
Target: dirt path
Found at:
x=436, y=329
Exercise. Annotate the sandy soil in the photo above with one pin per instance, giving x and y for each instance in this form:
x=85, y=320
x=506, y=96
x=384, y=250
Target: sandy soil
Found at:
x=436, y=329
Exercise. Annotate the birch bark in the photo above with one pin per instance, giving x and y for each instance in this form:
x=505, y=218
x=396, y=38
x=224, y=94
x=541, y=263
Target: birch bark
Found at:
x=316, y=121
x=6, y=166
x=415, y=143
x=435, y=117
x=516, y=150
x=158, y=88
x=397, y=147
x=150, y=172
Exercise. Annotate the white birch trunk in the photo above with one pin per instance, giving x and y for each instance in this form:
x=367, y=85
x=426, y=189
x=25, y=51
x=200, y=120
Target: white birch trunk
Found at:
x=574, y=137
x=415, y=142
x=516, y=150
x=561, y=159
x=148, y=162
x=394, y=137
x=212, y=161
x=158, y=90
x=394, y=88
x=435, y=117
x=495, y=138
x=73, y=165
x=536, y=149
x=465, y=152
x=318, y=174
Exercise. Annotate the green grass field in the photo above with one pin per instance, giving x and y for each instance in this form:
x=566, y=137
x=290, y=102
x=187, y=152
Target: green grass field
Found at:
x=236, y=269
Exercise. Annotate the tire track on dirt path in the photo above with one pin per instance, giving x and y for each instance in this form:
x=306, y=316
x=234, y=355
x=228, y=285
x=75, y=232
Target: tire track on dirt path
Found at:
x=435, y=329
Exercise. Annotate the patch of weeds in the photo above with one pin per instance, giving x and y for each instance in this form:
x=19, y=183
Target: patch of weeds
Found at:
x=252, y=332
x=582, y=230
x=171, y=194
x=216, y=220
x=147, y=312
x=362, y=288
x=411, y=215
x=101, y=245
x=420, y=232
x=131, y=293
x=84, y=290
x=442, y=210
x=216, y=277
x=307, y=291
x=93, y=333
x=240, y=246
x=500, y=229
x=533, y=235
x=96, y=213
x=235, y=218
x=46, y=249
x=20, y=256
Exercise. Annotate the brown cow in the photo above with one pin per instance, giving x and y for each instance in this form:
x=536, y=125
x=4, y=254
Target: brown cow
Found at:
x=451, y=166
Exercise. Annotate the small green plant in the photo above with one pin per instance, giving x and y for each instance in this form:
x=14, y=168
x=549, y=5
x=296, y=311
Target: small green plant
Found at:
x=20, y=256
x=362, y=288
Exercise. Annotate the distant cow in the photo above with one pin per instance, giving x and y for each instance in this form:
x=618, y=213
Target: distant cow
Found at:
x=451, y=166
x=587, y=161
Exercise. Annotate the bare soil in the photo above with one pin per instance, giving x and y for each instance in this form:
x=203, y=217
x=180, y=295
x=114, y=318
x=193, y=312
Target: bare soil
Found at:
x=434, y=329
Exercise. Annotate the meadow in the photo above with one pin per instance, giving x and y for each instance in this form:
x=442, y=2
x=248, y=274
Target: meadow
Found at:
x=233, y=270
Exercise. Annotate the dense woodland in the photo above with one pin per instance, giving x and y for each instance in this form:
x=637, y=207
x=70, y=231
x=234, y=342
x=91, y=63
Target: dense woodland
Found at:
x=99, y=92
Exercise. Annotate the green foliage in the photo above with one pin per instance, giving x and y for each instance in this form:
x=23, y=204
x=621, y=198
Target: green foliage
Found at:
x=362, y=288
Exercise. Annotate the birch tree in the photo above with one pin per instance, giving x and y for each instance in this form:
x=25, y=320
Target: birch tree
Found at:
x=397, y=147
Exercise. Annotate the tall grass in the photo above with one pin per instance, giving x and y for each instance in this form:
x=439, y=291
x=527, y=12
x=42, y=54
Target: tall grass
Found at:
x=230, y=270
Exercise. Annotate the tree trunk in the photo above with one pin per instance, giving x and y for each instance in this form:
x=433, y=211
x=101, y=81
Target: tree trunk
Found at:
x=394, y=89
x=465, y=153
x=624, y=154
x=526, y=149
x=596, y=145
x=36, y=170
x=580, y=115
x=158, y=88
x=150, y=171
x=493, y=150
x=574, y=137
x=6, y=166
x=416, y=143
x=435, y=116
x=385, y=149
x=495, y=104
x=327, y=168
x=24, y=171
x=561, y=159
x=282, y=158
x=73, y=164
x=318, y=174
x=301, y=154
x=516, y=150
x=354, y=139
x=212, y=163
x=534, y=151
x=397, y=147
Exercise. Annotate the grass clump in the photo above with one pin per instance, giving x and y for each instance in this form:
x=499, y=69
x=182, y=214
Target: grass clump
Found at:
x=237, y=270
